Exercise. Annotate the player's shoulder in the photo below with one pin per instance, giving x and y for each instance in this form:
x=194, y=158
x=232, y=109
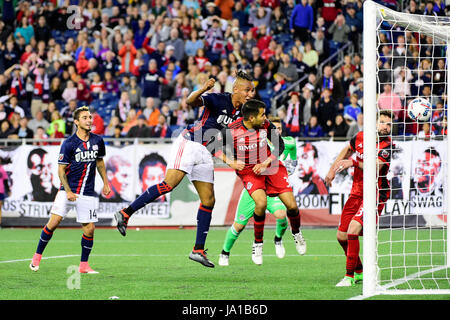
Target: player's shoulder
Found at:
x=95, y=137
x=238, y=123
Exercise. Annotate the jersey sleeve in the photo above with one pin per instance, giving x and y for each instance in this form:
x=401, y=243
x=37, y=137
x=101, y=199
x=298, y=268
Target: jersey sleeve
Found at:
x=290, y=150
x=101, y=149
x=65, y=153
x=209, y=100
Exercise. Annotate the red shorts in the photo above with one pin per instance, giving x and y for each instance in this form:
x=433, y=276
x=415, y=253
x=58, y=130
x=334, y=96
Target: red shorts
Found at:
x=273, y=184
x=353, y=210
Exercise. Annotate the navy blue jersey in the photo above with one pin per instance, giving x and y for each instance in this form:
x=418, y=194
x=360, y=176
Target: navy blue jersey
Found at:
x=81, y=156
x=217, y=114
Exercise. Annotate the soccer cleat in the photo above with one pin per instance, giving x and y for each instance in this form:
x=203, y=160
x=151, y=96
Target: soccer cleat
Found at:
x=85, y=268
x=224, y=260
x=34, y=265
x=122, y=222
x=300, y=243
x=358, y=277
x=279, y=249
x=257, y=251
x=200, y=256
x=346, y=282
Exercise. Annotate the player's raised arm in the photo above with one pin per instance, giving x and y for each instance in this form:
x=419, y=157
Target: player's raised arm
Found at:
x=195, y=98
x=344, y=154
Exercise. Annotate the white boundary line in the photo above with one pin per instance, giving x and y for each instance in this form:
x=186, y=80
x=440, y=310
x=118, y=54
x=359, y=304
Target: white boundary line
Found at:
x=157, y=255
x=383, y=289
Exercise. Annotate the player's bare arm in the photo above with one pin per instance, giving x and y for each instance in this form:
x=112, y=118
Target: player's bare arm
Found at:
x=194, y=99
x=345, y=164
x=63, y=178
x=102, y=171
x=344, y=154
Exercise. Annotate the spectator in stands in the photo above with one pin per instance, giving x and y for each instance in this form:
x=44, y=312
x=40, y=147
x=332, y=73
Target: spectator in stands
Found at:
x=340, y=127
x=24, y=132
x=326, y=110
x=70, y=92
x=425, y=133
x=339, y=31
x=302, y=21
x=128, y=54
x=140, y=130
x=13, y=105
x=355, y=24
x=294, y=115
x=151, y=112
x=151, y=80
x=98, y=124
x=390, y=100
x=278, y=22
x=356, y=126
x=38, y=121
x=5, y=129
x=193, y=44
x=259, y=16
x=287, y=69
x=329, y=81
x=57, y=125
x=123, y=107
x=67, y=114
x=134, y=93
x=313, y=129
x=310, y=56
x=320, y=43
x=352, y=110
x=40, y=135
x=161, y=130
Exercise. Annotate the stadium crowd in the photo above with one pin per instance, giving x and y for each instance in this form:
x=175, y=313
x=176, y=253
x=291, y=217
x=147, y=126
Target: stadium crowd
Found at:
x=135, y=62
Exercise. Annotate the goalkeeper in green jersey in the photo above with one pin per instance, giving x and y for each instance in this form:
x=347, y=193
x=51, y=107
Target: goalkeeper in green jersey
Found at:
x=275, y=206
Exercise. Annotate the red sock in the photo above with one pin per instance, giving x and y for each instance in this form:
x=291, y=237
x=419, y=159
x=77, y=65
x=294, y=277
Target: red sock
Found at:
x=259, y=227
x=352, y=254
x=344, y=245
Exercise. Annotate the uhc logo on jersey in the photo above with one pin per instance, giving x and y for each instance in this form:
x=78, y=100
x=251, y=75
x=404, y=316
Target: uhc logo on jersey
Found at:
x=85, y=156
x=223, y=119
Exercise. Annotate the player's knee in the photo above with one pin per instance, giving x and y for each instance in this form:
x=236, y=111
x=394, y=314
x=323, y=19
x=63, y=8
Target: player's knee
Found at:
x=292, y=211
x=89, y=229
x=260, y=207
x=341, y=236
x=209, y=201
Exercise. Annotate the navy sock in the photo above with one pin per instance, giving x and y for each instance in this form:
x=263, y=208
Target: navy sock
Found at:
x=151, y=194
x=46, y=235
x=203, y=223
x=86, y=247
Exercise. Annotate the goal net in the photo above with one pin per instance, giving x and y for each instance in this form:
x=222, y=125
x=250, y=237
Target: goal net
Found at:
x=406, y=250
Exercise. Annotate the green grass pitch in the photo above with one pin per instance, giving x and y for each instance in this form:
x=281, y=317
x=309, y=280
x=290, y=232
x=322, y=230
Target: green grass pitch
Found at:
x=153, y=264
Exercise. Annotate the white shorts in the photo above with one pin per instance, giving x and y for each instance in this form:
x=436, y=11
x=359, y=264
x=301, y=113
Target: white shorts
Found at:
x=192, y=158
x=85, y=207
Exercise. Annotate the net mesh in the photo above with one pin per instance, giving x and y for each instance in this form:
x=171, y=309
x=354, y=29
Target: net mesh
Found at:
x=411, y=232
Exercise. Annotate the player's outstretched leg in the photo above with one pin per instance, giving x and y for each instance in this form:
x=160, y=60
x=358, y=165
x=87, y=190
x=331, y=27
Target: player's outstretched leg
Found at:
x=172, y=179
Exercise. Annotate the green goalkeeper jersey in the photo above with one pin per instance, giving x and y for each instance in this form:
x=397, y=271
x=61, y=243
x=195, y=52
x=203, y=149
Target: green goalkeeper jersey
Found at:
x=290, y=149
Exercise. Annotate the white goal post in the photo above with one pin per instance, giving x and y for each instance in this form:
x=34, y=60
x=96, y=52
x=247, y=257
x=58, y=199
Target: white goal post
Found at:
x=406, y=251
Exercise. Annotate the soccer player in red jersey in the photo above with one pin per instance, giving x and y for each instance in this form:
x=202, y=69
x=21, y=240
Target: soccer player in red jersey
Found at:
x=351, y=222
x=259, y=169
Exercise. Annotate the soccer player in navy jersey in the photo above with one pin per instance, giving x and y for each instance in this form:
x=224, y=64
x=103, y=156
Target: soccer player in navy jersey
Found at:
x=81, y=154
x=263, y=174
x=189, y=156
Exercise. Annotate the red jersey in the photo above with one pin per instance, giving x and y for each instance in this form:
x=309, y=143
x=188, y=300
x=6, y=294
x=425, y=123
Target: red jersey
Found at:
x=250, y=145
x=384, y=147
